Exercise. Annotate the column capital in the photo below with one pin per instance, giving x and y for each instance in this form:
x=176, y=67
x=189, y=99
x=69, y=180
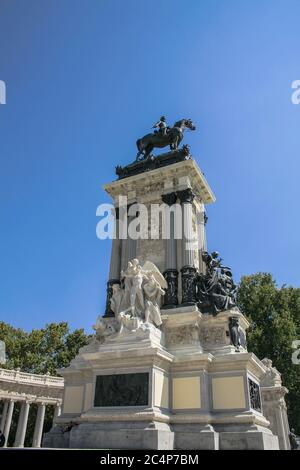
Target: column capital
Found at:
x=42, y=403
x=186, y=195
x=169, y=198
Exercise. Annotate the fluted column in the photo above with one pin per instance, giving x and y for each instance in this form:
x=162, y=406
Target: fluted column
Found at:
x=131, y=243
x=4, y=414
x=201, y=222
x=188, y=270
x=124, y=256
x=171, y=273
x=123, y=250
x=115, y=259
x=22, y=425
x=115, y=265
x=39, y=424
x=8, y=421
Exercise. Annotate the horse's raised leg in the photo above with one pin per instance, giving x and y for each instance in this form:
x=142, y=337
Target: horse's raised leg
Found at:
x=138, y=155
x=141, y=150
x=175, y=144
x=148, y=151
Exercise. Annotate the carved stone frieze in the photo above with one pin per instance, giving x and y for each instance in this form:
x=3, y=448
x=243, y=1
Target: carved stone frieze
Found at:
x=30, y=390
x=187, y=334
x=215, y=335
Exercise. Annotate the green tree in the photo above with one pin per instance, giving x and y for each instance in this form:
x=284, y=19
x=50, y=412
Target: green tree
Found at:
x=274, y=314
x=40, y=351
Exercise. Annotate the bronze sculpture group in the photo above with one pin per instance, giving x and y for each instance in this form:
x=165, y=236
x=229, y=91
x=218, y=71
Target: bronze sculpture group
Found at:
x=215, y=289
x=163, y=137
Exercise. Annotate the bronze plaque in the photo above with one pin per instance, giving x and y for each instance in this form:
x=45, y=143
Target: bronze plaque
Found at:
x=122, y=390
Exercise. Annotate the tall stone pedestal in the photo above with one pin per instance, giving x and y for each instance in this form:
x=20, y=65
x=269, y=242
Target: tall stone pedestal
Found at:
x=186, y=388
x=185, y=380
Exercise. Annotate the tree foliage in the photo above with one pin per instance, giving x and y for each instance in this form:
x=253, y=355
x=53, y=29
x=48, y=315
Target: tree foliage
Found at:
x=41, y=351
x=274, y=315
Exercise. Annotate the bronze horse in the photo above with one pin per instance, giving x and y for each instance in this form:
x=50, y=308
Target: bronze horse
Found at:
x=173, y=137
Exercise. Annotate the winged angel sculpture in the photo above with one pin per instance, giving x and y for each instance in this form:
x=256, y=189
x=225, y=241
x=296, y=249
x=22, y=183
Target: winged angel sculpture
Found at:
x=135, y=301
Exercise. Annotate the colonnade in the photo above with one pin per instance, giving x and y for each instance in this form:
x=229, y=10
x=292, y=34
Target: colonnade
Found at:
x=7, y=418
x=23, y=390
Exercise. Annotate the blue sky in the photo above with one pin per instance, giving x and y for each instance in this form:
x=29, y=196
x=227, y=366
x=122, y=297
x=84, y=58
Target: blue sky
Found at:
x=85, y=79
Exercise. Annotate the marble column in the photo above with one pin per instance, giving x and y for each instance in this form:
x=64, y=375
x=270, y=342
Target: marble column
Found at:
x=115, y=265
x=124, y=256
x=188, y=270
x=283, y=435
x=8, y=421
x=202, y=247
x=57, y=411
x=286, y=427
x=22, y=425
x=171, y=273
x=39, y=424
x=131, y=243
x=4, y=414
x=17, y=436
x=123, y=250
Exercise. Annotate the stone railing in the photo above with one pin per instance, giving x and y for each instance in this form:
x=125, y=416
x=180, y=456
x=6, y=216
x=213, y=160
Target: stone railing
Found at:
x=30, y=379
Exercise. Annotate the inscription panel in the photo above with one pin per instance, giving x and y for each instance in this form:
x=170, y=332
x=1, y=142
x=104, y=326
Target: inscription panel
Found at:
x=122, y=390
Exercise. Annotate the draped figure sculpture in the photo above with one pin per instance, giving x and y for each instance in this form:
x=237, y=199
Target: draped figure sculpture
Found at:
x=136, y=301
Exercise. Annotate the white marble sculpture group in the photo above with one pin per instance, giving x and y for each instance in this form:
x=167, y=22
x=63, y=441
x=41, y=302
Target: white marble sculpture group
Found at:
x=136, y=301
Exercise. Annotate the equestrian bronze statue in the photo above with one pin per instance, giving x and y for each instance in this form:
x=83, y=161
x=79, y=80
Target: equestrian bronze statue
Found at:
x=165, y=136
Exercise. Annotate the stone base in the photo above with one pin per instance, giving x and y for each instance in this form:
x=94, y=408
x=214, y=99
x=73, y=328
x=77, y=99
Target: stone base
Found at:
x=195, y=437
x=157, y=436
x=248, y=441
x=113, y=435
x=56, y=438
x=246, y=437
x=198, y=392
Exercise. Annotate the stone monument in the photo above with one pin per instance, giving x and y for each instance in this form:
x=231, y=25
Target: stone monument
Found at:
x=168, y=366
